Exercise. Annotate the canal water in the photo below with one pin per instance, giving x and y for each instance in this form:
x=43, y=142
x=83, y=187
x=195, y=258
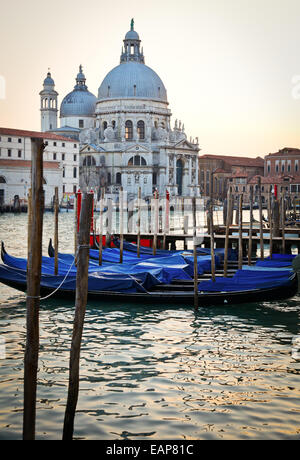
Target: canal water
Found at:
x=152, y=372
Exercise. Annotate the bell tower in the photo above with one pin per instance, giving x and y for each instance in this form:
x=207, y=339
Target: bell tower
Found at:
x=48, y=104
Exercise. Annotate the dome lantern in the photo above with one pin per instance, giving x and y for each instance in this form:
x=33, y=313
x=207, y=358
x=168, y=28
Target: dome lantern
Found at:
x=132, y=46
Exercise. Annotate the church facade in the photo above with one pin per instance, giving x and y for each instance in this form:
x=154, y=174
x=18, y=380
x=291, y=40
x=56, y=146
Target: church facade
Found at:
x=125, y=133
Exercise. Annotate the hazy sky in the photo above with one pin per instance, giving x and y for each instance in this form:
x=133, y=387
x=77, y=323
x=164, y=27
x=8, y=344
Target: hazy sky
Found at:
x=231, y=67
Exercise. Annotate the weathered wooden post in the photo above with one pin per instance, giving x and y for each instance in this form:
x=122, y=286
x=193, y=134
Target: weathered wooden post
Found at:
x=56, y=210
x=139, y=221
x=75, y=226
x=212, y=242
x=80, y=309
x=121, y=207
x=155, y=222
x=34, y=264
x=250, y=226
x=276, y=223
x=283, y=222
x=109, y=222
x=196, y=296
x=228, y=222
x=29, y=221
x=167, y=219
x=101, y=226
x=261, y=235
x=240, y=261
x=270, y=220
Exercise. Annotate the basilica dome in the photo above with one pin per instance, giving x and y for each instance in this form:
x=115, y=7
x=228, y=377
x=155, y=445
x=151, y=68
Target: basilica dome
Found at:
x=80, y=102
x=132, y=79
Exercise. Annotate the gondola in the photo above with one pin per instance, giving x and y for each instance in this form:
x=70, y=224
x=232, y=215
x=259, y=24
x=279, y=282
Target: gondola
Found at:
x=246, y=286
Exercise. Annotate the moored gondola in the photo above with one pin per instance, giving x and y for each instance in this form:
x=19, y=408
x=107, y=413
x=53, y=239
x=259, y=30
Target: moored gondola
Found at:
x=246, y=286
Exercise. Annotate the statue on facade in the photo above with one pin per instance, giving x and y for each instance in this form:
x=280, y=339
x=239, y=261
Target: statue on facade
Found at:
x=109, y=134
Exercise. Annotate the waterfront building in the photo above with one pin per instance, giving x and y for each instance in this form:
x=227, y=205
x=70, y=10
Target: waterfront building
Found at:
x=125, y=133
x=216, y=172
x=61, y=160
x=132, y=144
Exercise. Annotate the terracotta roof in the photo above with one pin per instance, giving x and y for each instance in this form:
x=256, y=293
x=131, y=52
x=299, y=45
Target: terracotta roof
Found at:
x=220, y=170
x=24, y=133
x=285, y=151
x=275, y=179
x=239, y=173
x=27, y=164
x=234, y=160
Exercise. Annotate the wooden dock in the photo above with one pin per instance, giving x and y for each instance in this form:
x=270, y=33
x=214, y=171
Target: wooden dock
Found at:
x=292, y=238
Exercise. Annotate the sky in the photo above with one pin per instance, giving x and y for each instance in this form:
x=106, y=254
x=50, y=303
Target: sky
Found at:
x=231, y=67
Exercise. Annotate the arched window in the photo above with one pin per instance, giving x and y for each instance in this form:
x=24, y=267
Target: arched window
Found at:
x=108, y=178
x=2, y=180
x=141, y=129
x=137, y=161
x=104, y=124
x=128, y=130
x=118, y=178
x=89, y=161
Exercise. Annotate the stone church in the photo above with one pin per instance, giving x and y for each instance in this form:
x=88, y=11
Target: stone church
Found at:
x=125, y=133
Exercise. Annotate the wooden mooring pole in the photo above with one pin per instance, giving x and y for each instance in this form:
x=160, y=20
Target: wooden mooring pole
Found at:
x=228, y=222
x=212, y=241
x=33, y=289
x=139, y=221
x=250, y=226
x=283, y=223
x=155, y=222
x=167, y=219
x=261, y=236
x=121, y=208
x=29, y=221
x=56, y=209
x=80, y=309
x=196, y=296
x=75, y=226
x=270, y=220
x=101, y=226
x=240, y=256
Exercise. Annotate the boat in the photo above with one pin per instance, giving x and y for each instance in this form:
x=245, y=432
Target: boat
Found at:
x=146, y=284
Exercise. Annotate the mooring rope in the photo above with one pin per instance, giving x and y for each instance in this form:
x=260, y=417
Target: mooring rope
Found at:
x=83, y=246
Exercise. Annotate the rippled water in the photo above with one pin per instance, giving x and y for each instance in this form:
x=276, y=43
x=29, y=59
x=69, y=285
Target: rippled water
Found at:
x=152, y=372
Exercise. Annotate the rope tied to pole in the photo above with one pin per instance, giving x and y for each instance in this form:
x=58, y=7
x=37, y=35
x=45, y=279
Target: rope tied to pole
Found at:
x=82, y=246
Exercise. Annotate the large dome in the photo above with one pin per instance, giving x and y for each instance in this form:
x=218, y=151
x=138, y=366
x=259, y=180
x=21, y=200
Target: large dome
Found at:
x=132, y=79
x=80, y=102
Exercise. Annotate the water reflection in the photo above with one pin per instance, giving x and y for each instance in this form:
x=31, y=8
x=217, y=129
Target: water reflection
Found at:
x=158, y=372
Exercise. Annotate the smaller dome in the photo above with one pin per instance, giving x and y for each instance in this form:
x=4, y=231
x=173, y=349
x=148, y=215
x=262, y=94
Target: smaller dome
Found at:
x=132, y=35
x=80, y=102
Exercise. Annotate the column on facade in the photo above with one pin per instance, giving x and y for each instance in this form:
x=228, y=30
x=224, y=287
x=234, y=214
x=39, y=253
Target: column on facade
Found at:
x=197, y=177
x=174, y=172
x=134, y=127
x=186, y=179
x=122, y=130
